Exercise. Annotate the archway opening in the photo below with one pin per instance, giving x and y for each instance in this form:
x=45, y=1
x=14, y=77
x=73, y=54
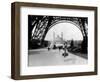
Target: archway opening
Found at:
x=67, y=31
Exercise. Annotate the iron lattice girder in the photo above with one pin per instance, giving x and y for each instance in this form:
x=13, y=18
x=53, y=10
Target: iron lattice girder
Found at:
x=46, y=22
x=40, y=27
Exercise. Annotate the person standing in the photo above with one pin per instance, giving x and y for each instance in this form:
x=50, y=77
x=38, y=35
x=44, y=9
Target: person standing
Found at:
x=65, y=50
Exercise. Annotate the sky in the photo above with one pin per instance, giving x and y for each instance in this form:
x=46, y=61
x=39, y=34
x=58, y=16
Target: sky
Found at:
x=70, y=31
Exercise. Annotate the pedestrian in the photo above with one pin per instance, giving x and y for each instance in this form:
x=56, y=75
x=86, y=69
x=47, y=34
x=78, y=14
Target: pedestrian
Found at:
x=65, y=50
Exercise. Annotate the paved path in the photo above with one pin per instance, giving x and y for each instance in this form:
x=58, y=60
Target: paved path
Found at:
x=43, y=57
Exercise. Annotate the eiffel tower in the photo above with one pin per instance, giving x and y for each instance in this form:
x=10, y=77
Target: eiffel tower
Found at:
x=42, y=24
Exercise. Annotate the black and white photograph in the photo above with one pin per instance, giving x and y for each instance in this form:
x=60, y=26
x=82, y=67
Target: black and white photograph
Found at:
x=57, y=40
x=50, y=40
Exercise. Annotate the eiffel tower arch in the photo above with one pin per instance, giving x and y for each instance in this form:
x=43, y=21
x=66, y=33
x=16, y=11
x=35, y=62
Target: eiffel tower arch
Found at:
x=38, y=26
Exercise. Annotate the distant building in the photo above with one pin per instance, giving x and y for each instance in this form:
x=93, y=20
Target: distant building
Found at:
x=57, y=41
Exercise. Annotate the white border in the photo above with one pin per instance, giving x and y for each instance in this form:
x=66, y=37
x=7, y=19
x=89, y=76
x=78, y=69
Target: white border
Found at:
x=25, y=70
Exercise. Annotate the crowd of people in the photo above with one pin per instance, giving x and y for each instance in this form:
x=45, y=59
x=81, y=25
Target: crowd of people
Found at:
x=63, y=47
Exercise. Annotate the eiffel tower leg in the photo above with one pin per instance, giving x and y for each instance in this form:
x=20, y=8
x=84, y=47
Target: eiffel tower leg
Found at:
x=84, y=45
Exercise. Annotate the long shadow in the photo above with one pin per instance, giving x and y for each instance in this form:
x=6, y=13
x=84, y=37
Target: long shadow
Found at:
x=83, y=55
